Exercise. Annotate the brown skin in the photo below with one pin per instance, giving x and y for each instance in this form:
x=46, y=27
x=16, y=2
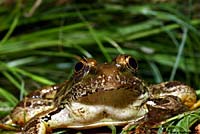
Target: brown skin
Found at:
x=99, y=95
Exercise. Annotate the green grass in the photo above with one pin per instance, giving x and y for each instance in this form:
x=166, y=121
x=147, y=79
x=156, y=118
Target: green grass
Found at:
x=42, y=49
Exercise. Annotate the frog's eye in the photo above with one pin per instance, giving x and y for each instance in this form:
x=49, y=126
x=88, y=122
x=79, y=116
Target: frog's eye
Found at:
x=132, y=63
x=126, y=62
x=79, y=66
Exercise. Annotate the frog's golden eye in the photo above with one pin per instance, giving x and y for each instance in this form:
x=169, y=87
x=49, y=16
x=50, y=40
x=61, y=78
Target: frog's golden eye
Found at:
x=131, y=62
x=84, y=66
x=125, y=62
x=79, y=66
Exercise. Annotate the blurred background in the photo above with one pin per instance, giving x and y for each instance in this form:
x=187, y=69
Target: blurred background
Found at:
x=41, y=40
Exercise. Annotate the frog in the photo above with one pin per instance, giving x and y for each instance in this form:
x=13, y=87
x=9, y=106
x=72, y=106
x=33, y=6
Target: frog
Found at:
x=98, y=95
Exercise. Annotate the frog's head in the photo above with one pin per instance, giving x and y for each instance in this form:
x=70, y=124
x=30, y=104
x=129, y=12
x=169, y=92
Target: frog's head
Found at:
x=105, y=75
x=92, y=80
x=96, y=76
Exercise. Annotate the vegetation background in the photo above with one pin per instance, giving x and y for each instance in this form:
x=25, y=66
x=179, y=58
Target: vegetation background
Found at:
x=40, y=41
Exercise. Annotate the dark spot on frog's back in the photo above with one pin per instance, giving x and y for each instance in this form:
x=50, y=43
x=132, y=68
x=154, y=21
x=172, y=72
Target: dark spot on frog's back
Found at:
x=28, y=104
x=23, y=103
x=173, y=84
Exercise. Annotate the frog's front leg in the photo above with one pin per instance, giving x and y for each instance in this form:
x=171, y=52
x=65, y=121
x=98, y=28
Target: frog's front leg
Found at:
x=37, y=125
x=48, y=120
x=38, y=101
x=74, y=115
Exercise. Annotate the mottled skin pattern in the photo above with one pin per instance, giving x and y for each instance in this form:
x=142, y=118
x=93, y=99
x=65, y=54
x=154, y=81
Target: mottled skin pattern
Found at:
x=99, y=95
x=32, y=104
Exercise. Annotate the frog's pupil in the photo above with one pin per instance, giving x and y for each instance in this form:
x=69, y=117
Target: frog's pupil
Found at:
x=78, y=66
x=132, y=63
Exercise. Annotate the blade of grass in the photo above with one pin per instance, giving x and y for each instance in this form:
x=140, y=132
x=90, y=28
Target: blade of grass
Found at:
x=149, y=11
x=21, y=88
x=83, y=51
x=156, y=72
x=95, y=36
x=188, y=121
x=11, y=29
x=20, y=47
x=154, y=31
x=55, y=54
x=163, y=59
x=114, y=44
x=34, y=77
x=12, y=99
x=179, y=54
x=12, y=80
x=16, y=13
x=51, y=31
x=21, y=61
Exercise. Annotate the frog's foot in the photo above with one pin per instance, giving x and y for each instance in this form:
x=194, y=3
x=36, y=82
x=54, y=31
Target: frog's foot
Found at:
x=7, y=124
x=145, y=128
x=161, y=109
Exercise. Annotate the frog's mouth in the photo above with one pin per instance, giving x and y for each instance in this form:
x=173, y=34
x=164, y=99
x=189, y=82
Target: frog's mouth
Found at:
x=114, y=97
x=112, y=92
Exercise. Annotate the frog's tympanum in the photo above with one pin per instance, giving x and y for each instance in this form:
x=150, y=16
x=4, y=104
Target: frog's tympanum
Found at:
x=99, y=95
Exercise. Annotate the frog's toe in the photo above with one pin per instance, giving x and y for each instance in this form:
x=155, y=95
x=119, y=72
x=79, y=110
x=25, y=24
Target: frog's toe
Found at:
x=195, y=105
x=9, y=127
x=134, y=123
x=36, y=126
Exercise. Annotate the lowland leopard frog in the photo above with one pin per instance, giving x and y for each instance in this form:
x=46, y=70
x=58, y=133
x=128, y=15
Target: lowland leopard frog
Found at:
x=99, y=94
